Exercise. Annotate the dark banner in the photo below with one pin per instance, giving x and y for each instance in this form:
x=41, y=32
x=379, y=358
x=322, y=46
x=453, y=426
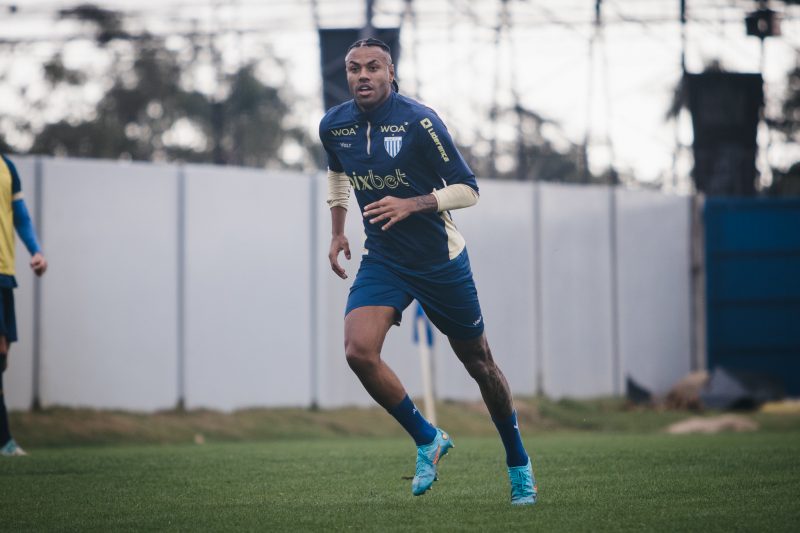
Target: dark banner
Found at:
x=333, y=48
x=726, y=109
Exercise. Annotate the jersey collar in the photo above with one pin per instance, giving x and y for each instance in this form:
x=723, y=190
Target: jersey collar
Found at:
x=378, y=114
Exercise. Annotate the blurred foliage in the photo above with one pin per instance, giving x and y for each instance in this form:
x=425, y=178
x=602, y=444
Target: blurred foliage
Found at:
x=149, y=112
x=787, y=182
x=532, y=155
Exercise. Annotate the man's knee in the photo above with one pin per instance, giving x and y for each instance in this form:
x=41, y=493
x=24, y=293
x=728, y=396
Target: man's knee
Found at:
x=475, y=355
x=360, y=356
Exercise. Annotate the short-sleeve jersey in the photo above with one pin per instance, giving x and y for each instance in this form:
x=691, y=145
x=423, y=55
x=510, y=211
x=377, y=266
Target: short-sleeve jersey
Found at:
x=10, y=189
x=400, y=149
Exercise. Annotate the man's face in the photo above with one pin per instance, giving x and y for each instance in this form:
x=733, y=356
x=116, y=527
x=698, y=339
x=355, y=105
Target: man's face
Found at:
x=369, y=75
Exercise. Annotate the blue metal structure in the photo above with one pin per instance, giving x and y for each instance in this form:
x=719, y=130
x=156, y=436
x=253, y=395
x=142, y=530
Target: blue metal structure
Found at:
x=753, y=286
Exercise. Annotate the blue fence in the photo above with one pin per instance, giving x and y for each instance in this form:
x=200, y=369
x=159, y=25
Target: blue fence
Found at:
x=753, y=286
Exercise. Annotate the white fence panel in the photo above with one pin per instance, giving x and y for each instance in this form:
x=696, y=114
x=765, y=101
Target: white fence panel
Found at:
x=654, y=287
x=263, y=313
x=247, y=288
x=576, y=291
x=109, y=310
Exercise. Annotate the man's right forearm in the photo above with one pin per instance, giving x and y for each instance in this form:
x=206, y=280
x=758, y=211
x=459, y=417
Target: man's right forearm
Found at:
x=338, y=216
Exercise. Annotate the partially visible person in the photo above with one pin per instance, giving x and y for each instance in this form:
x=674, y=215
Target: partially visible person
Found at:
x=13, y=215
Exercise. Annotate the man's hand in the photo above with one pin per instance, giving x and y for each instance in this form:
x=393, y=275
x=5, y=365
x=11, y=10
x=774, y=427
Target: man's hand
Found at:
x=393, y=210
x=339, y=243
x=38, y=263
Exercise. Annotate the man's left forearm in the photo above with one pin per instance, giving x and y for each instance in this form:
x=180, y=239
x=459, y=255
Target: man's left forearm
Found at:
x=425, y=204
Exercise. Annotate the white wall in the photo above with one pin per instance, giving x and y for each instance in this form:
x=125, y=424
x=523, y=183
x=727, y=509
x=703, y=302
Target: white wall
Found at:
x=109, y=297
x=262, y=312
x=247, y=288
x=576, y=291
x=654, y=287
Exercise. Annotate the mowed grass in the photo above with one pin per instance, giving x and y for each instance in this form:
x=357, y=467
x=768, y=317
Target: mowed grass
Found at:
x=587, y=482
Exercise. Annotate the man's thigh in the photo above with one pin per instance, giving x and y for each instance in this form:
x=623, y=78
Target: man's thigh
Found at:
x=365, y=328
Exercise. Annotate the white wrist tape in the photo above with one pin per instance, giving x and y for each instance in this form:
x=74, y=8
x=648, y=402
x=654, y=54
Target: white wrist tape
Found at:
x=338, y=189
x=455, y=197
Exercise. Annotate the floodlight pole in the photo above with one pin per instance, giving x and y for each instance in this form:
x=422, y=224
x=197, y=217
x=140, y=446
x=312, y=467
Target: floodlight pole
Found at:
x=368, y=30
x=683, y=36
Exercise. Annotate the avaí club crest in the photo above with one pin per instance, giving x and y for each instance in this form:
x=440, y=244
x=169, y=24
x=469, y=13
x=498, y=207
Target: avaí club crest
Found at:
x=392, y=145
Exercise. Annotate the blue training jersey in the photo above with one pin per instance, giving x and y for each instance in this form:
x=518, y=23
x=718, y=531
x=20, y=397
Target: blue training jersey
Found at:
x=400, y=149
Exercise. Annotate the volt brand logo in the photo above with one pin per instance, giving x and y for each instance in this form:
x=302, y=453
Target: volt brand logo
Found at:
x=372, y=182
x=392, y=145
x=392, y=128
x=341, y=132
x=428, y=125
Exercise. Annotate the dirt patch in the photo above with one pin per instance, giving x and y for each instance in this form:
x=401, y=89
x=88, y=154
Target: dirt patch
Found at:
x=715, y=424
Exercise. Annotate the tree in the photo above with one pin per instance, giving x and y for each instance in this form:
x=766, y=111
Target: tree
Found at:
x=151, y=112
x=786, y=182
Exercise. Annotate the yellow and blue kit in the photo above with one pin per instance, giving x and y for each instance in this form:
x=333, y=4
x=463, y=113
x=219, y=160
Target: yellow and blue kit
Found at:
x=13, y=216
x=403, y=149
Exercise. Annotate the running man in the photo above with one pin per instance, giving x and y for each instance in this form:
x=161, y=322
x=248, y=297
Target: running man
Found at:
x=407, y=175
x=13, y=215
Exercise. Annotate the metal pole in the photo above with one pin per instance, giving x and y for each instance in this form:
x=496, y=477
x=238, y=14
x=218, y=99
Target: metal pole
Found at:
x=181, y=289
x=683, y=35
x=38, y=215
x=314, y=301
x=616, y=360
x=368, y=30
x=538, y=287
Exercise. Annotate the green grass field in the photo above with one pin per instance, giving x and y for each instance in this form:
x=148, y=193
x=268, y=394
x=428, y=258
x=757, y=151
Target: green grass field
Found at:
x=588, y=481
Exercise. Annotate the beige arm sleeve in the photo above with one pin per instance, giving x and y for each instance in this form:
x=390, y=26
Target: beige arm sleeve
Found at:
x=338, y=189
x=455, y=197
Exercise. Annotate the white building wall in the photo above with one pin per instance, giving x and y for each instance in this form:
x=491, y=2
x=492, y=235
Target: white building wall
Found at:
x=576, y=291
x=654, y=287
x=247, y=288
x=109, y=297
x=262, y=312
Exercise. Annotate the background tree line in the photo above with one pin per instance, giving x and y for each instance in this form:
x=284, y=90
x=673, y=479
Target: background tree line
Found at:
x=151, y=109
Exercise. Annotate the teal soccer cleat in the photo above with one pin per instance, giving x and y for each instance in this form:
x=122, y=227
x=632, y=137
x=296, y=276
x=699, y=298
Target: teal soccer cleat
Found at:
x=428, y=456
x=523, y=484
x=12, y=449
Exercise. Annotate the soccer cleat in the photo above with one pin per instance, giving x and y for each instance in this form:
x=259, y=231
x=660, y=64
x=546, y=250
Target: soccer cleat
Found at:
x=523, y=484
x=428, y=456
x=12, y=449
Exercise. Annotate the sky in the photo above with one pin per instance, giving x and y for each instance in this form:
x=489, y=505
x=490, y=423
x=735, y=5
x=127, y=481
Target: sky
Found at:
x=615, y=92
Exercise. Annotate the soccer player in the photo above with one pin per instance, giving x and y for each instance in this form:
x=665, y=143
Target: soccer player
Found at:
x=13, y=215
x=407, y=175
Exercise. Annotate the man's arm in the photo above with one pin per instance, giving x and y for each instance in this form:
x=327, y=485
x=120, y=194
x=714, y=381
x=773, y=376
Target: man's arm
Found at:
x=338, y=196
x=23, y=223
x=393, y=209
x=24, y=226
x=339, y=241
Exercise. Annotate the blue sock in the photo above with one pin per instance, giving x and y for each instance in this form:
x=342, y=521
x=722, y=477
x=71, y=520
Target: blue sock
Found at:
x=412, y=421
x=5, y=434
x=512, y=441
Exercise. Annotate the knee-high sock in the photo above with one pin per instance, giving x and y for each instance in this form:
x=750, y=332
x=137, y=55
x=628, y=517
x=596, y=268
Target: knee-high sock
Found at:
x=512, y=441
x=412, y=421
x=5, y=433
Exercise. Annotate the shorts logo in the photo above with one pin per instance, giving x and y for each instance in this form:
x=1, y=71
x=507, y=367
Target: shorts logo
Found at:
x=392, y=145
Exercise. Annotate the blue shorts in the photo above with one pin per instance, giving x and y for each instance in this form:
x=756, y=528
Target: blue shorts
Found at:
x=8, y=318
x=446, y=293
